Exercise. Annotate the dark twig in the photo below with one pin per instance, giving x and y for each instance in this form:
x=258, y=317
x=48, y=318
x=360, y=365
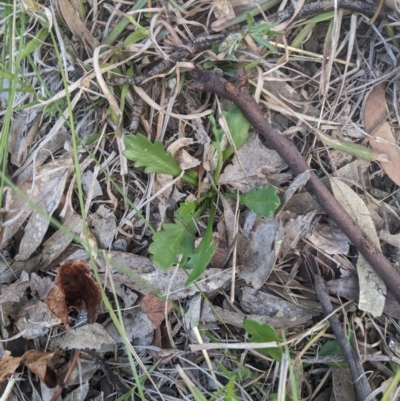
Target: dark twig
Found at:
x=67, y=376
x=238, y=93
x=359, y=379
x=325, y=6
x=110, y=375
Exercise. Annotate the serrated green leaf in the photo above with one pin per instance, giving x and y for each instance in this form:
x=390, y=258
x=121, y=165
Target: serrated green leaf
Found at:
x=238, y=126
x=263, y=333
x=171, y=245
x=263, y=201
x=185, y=211
x=174, y=243
x=150, y=155
x=202, y=254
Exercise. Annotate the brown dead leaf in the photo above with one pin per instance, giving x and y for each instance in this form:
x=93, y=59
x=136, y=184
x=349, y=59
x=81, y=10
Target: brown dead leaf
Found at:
x=76, y=25
x=138, y=328
x=55, y=143
x=21, y=137
x=15, y=291
x=90, y=336
x=253, y=166
x=74, y=289
x=37, y=363
x=184, y=160
x=103, y=225
x=330, y=239
x=257, y=249
x=40, y=286
x=266, y=304
x=35, y=320
x=55, y=301
x=59, y=241
x=8, y=365
x=154, y=308
x=372, y=288
x=45, y=193
x=383, y=140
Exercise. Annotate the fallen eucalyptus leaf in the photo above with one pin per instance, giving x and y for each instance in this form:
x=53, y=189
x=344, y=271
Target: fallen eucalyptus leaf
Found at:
x=372, y=288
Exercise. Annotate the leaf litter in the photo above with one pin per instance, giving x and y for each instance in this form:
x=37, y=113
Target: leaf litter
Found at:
x=213, y=223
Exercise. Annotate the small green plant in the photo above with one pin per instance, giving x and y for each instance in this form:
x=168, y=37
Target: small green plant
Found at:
x=332, y=348
x=258, y=32
x=263, y=333
x=237, y=375
x=174, y=244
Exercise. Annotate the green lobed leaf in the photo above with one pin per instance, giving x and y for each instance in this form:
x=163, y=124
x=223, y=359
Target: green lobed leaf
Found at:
x=238, y=126
x=332, y=348
x=263, y=333
x=202, y=254
x=263, y=201
x=171, y=245
x=185, y=211
x=150, y=155
x=174, y=243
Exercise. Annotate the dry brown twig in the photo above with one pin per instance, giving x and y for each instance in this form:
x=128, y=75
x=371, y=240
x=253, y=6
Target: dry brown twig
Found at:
x=359, y=379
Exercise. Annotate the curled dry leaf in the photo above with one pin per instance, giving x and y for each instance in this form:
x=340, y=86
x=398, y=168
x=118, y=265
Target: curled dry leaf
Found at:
x=383, y=140
x=37, y=363
x=154, y=308
x=8, y=365
x=181, y=156
x=74, y=289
